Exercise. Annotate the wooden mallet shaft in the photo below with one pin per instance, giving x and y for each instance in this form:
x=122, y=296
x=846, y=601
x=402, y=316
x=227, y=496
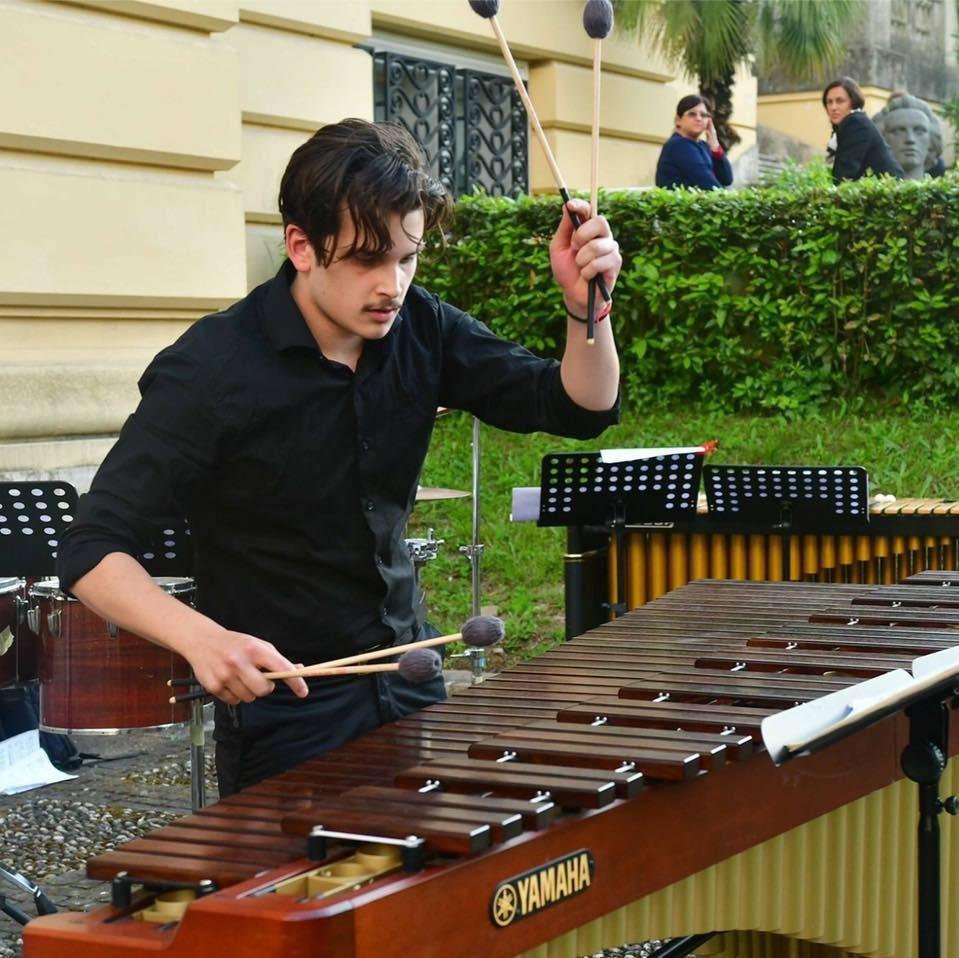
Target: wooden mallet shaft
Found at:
x=537, y=127
x=479, y=631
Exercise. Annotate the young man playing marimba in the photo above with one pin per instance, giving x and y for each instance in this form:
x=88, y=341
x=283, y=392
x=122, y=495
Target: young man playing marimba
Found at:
x=290, y=430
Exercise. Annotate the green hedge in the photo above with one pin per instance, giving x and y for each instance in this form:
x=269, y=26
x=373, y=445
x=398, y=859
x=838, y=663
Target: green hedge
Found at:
x=777, y=298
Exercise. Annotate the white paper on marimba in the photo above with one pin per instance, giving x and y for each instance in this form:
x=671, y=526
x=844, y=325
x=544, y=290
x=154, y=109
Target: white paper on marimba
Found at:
x=797, y=731
x=631, y=455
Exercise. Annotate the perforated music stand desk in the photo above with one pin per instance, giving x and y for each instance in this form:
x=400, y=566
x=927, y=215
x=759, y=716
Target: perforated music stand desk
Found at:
x=168, y=550
x=789, y=500
x=33, y=517
x=578, y=489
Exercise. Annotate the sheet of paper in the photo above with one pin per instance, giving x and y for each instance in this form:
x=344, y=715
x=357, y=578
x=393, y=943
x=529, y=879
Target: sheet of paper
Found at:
x=631, y=455
x=25, y=765
x=945, y=662
x=789, y=732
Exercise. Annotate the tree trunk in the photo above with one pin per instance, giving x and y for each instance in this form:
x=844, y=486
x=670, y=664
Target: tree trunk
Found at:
x=719, y=92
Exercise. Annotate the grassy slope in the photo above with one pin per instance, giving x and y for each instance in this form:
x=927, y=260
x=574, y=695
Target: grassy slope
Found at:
x=522, y=569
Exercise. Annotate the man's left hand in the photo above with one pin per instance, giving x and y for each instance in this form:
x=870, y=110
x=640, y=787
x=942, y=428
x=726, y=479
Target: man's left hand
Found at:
x=577, y=255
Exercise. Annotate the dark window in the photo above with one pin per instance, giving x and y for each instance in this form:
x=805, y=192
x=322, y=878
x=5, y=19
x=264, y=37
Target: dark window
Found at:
x=471, y=124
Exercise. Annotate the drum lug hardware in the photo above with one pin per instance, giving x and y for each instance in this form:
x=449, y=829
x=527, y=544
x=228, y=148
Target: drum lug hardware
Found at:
x=33, y=619
x=412, y=848
x=738, y=667
x=54, y=620
x=541, y=796
x=432, y=784
x=662, y=697
x=599, y=720
x=22, y=607
x=728, y=730
x=507, y=756
x=113, y=630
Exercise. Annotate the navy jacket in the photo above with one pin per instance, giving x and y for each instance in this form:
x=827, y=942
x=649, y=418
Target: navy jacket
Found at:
x=860, y=149
x=686, y=162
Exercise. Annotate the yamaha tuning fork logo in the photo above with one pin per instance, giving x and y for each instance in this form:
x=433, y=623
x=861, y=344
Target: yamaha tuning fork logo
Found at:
x=541, y=887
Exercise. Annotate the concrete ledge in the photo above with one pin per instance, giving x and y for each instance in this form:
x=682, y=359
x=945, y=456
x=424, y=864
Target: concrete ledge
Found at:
x=40, y=402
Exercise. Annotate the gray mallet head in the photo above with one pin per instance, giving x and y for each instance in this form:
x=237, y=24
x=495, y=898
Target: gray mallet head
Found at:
x=485, y=8
x=420, y=665
x=598, y=18
x=483, y=631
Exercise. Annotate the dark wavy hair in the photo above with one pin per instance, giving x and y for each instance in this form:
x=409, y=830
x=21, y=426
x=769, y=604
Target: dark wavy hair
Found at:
x=688, y=102
x=851, y=87
x=370, y=171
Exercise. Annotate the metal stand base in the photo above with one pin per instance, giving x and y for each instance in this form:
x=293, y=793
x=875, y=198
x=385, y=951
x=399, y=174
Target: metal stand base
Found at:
x=924, y=760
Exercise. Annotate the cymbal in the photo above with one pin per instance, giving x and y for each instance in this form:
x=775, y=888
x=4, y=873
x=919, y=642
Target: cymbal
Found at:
x=432, y=494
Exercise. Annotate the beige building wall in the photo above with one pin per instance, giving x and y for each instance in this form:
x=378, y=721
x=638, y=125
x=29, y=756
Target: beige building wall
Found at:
x=801, y=115
x=141, y=157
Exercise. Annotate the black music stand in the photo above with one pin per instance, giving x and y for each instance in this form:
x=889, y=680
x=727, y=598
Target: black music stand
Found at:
x=168, y=550
x=34, y=514
x=926, y=701
x=580, y=489
x=33, y=517
x=789, y=499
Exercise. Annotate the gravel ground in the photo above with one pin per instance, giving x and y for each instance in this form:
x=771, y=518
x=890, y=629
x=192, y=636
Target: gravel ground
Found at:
x=139, y=782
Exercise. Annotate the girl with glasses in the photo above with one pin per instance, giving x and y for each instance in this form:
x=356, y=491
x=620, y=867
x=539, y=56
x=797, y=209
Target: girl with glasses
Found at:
x=686, y=159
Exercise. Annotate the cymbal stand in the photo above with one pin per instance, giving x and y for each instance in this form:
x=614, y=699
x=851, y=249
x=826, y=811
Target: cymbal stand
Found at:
x=197, y=756
x=474, y=553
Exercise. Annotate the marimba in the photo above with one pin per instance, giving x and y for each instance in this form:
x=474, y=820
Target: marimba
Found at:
x=614, y=789
x=902, y=538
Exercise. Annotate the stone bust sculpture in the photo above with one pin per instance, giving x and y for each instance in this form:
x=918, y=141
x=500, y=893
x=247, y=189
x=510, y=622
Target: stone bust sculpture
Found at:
x=914, y=135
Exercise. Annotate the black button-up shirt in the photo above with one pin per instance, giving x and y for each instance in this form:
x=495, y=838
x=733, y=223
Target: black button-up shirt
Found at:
x=296, y=474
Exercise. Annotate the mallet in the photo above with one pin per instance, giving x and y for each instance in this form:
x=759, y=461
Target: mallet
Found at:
x=597, y=21
x=481, y=631
x=416, y=666
x=488, y=9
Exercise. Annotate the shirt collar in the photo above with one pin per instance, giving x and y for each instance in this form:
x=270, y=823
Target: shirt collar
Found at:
x=284, y=326
x=282, y=322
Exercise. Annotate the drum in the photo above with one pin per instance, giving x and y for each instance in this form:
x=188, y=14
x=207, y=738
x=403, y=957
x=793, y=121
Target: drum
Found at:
x=95, y=677
x=11, y=600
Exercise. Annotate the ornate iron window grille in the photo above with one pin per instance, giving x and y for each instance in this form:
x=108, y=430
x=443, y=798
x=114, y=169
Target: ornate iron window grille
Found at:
x=471, y=124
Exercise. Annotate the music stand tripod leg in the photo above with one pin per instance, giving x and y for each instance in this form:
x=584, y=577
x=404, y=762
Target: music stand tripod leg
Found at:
x=680, y=947
x=474, y=553
x=197, y=756
x=924, y=760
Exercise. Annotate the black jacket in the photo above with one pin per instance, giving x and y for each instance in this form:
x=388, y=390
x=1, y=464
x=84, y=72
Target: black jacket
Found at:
x=860, y=149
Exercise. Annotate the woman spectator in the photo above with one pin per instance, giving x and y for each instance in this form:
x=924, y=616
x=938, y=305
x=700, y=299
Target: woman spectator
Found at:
x=685, y=159
x=859, y=147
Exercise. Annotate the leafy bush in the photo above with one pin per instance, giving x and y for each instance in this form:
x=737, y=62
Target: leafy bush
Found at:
x=778, y=298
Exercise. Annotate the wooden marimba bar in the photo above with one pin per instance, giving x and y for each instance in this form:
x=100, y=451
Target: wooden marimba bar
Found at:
x=902, y=538
x=614, y=789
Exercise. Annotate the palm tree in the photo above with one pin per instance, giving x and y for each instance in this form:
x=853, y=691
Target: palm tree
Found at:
x=709, y=39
